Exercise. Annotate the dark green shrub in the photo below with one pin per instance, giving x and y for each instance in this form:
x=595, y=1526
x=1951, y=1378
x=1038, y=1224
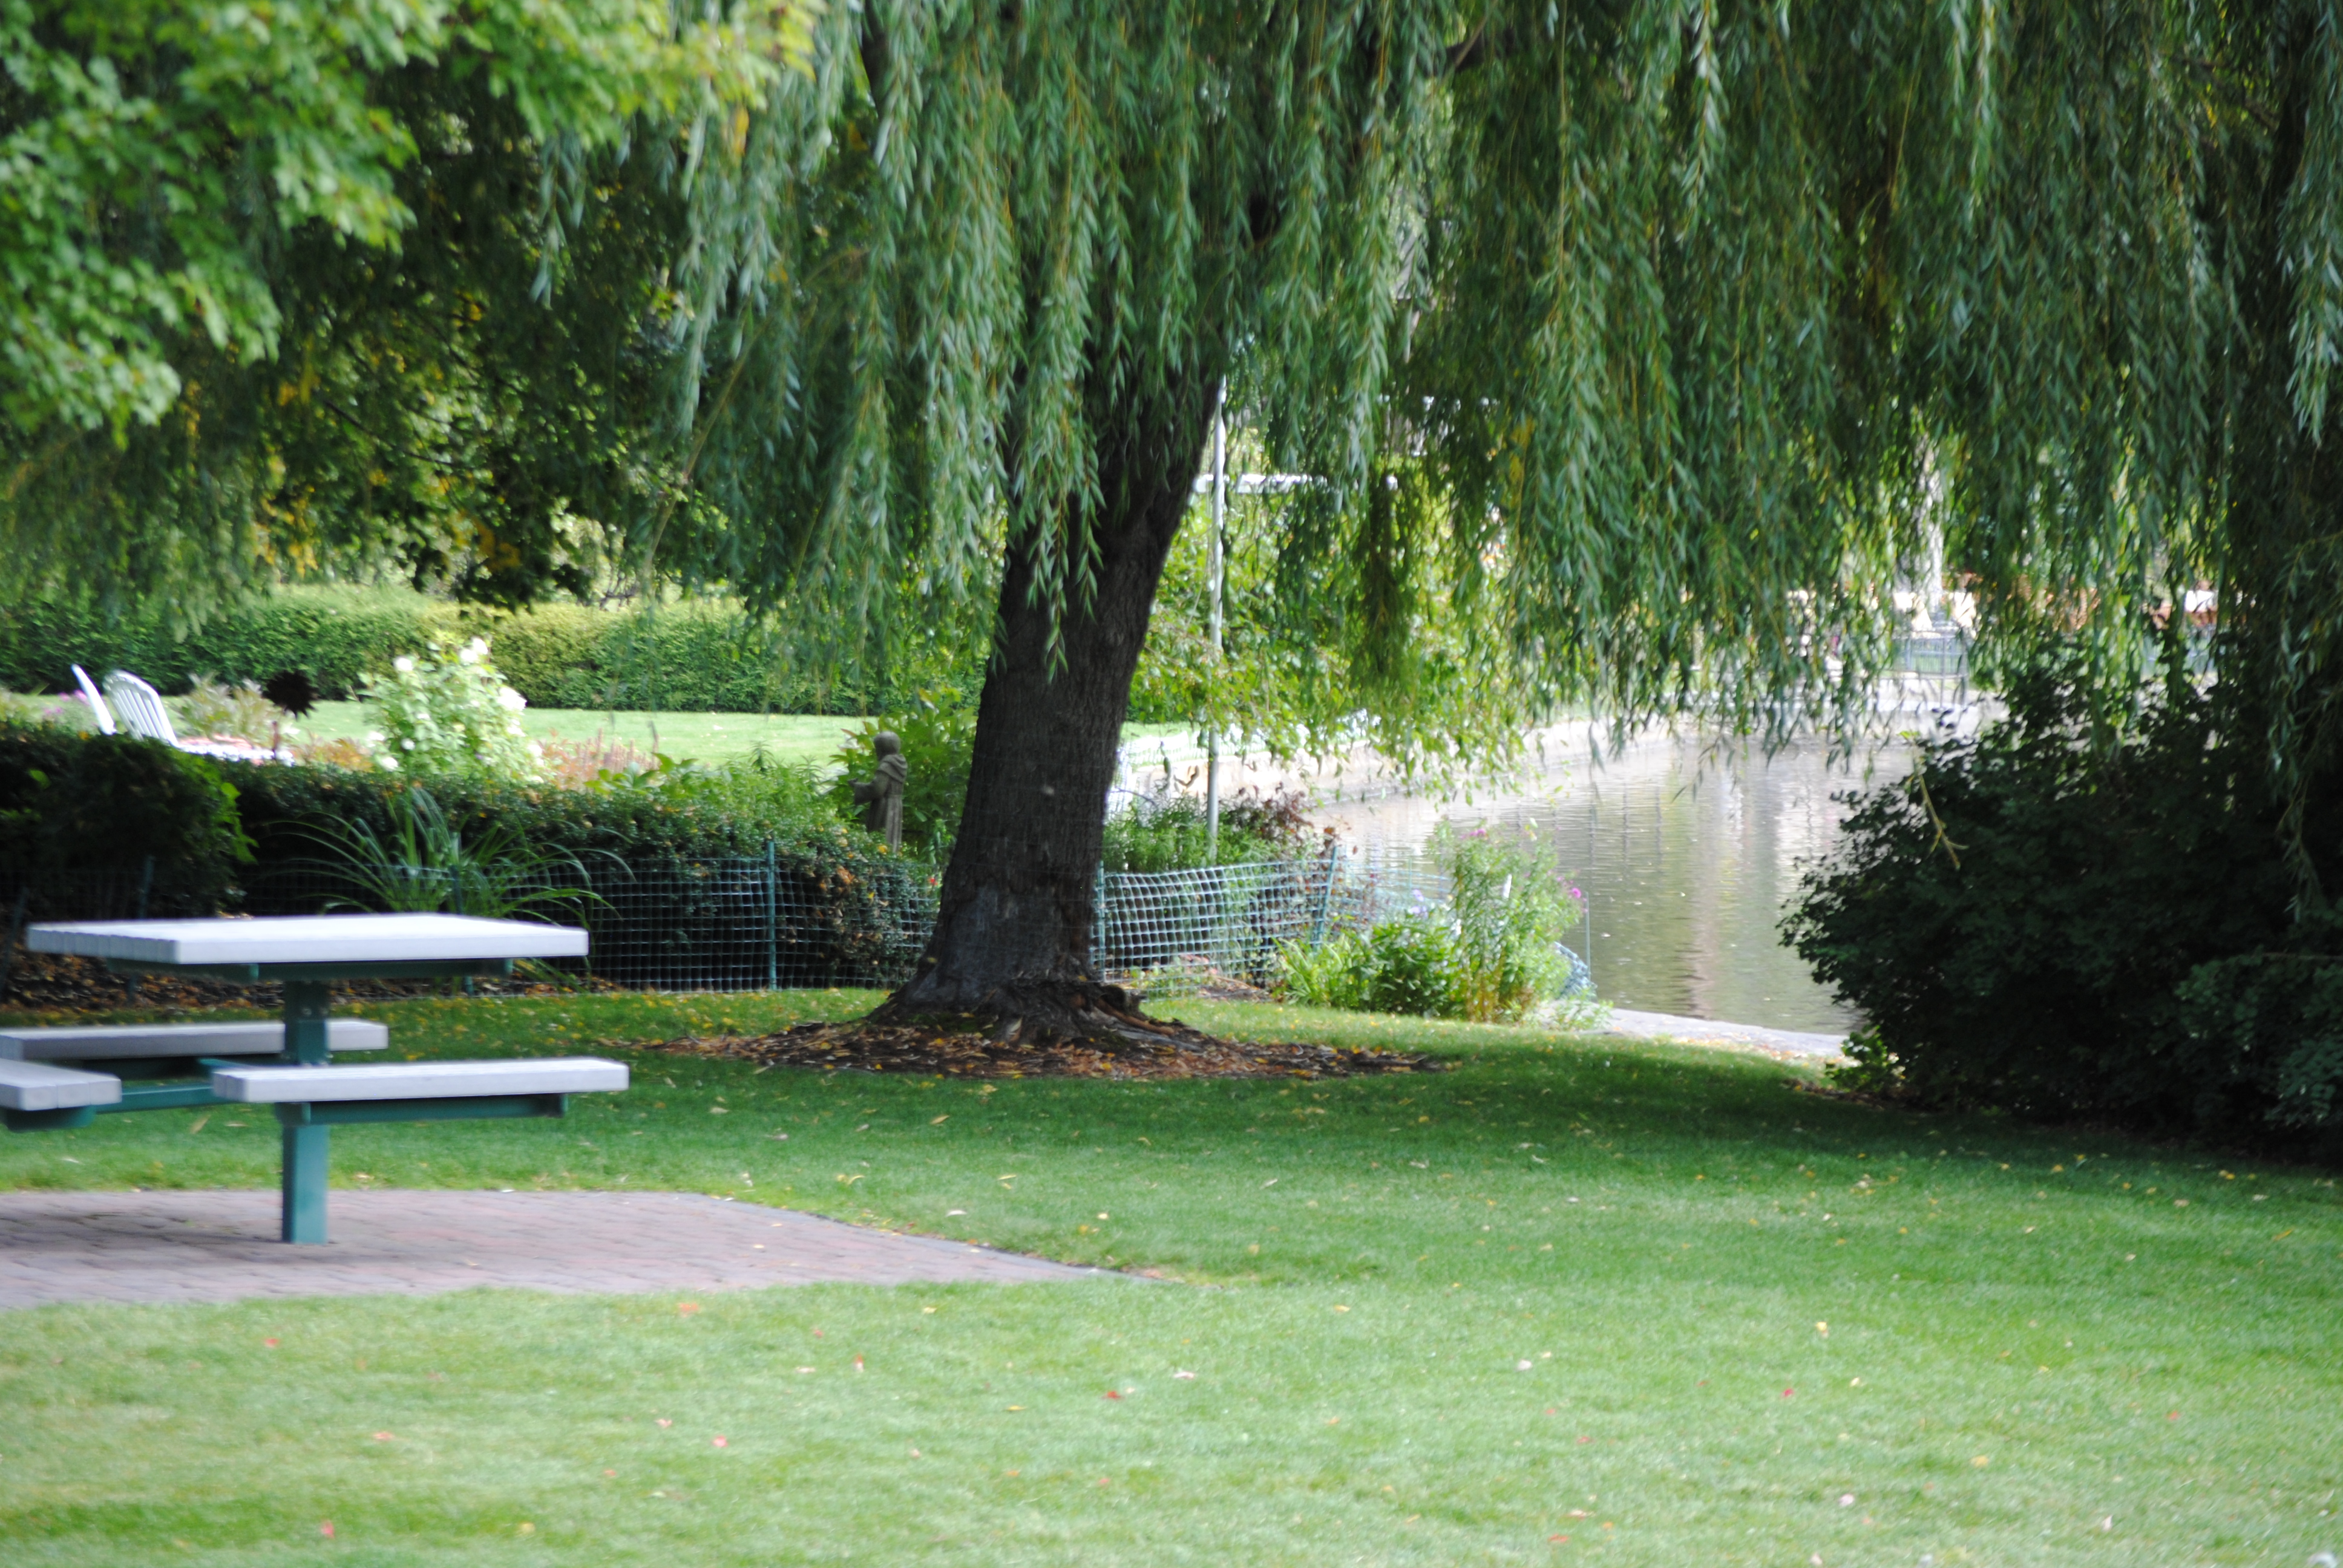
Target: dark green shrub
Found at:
x=713, y=877
x=678, y=863
x=2065, y=920
x=674, y=814
x=83, y=812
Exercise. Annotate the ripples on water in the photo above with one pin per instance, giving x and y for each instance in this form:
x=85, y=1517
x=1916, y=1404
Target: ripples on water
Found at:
x=1686, y=851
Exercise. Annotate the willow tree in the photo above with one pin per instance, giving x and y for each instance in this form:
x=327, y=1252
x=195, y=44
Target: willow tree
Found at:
x=1669, y=321
x=1676, y=317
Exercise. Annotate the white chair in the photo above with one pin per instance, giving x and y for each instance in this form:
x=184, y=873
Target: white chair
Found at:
x=97, y=708
x=142, y=709
x=141, y=706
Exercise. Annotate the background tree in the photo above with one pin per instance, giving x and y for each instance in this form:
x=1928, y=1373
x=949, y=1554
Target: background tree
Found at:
x=328, y=278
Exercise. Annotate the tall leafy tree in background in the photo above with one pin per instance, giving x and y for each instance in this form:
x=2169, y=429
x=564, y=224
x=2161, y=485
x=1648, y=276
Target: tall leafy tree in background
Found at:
x=1664, y=321
x=326, y=277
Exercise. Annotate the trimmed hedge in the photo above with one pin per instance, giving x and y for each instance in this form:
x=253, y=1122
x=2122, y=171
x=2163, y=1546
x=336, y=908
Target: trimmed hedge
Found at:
x=694, y=656
x=82, y=814
x=333, y=637
x=716, y=815
x=85, y=815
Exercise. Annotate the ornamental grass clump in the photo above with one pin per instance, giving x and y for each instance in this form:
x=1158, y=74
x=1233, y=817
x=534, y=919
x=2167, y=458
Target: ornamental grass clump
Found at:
x=1511, y=906
x=450, y=714
x=1493, y=953
x=428, y=863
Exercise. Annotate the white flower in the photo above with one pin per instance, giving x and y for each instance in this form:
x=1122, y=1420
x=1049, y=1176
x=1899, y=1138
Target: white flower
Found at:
x=536, y=752
x=374, y=737
x=474, y=651
x=404, y=665
x=509, y=700
x=389, y=763
x=406, y=745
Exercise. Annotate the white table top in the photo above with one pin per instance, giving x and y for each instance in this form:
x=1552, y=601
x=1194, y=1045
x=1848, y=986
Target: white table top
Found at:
x=322, y=940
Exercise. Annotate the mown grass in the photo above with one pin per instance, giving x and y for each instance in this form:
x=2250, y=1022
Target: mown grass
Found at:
x=688, y=736
x=2042, y=1347
x=714, y=739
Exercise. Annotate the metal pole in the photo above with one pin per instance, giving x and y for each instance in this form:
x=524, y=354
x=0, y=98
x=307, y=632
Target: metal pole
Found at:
x=1326, y=893
x=1097, y=919
x=309, y=1147
x=1214, y=567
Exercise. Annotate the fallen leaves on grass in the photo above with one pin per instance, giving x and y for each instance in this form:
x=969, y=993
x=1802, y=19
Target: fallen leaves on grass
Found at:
x=902, y=1049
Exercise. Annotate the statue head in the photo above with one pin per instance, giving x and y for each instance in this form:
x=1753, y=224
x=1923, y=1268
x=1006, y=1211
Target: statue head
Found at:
x=885, y=744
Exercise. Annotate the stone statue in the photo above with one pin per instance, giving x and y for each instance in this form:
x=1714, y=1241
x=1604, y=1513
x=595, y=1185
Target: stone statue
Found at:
x=881, y=795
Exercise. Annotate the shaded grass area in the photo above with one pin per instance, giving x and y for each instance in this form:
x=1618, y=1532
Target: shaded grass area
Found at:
x=2139, y=1344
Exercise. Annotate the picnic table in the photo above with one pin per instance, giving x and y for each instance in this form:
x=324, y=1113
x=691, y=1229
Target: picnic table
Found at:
x=307, y=954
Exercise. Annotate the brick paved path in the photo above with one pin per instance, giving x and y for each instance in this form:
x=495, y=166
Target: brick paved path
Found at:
x=222, y=1246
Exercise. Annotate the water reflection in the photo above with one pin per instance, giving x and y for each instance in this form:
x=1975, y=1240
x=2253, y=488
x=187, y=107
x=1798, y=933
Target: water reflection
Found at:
x=1686, y=851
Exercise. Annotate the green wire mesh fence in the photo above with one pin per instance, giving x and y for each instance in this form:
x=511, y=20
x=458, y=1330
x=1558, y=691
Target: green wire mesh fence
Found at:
x=765, y=922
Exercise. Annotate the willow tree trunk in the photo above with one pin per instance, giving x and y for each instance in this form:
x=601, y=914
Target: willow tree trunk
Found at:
x=1011, y=946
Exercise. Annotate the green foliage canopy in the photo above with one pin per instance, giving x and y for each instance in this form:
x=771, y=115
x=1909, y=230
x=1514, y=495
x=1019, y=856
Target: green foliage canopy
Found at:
x=277, y=276
x=1688, y=314
x=1691, y=314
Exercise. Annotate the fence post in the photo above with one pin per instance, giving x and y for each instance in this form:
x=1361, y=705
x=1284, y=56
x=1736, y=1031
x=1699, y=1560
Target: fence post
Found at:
x=1326, y=893
x=772, y=921
x=1097, y=919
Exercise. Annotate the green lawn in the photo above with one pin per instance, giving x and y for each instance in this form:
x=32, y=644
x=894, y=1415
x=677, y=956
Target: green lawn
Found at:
x=686, y=737
x=1575, y=1288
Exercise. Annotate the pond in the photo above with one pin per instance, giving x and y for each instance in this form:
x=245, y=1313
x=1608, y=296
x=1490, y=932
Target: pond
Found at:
x=1687, y=851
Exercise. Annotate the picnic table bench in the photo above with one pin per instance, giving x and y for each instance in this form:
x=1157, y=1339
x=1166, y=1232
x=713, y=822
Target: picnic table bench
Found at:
x=172, y=1043
x=307, y=953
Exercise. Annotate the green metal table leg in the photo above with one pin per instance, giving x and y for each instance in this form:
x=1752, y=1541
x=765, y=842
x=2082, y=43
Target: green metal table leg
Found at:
x=307, y=1149
x=305, y=1005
